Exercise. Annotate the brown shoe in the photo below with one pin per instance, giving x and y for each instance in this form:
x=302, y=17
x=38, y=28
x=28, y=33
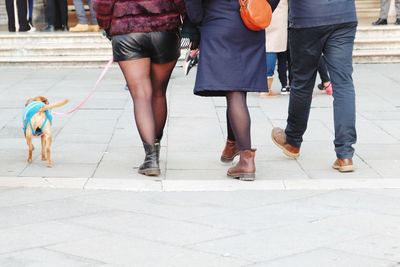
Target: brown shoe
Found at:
x=343, y=165
x=279, y=138
x=80, y=28
x=230, y=151
x=94, y=28
x=245, y=169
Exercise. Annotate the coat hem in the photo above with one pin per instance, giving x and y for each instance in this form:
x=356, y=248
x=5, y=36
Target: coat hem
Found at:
x=222, y=91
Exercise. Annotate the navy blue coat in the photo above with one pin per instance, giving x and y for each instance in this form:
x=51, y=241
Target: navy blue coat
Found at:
x=232, y=58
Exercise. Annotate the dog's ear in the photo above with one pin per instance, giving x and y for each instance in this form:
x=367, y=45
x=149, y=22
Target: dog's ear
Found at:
x=37, y=98
x=44, y=100
x=28, y=101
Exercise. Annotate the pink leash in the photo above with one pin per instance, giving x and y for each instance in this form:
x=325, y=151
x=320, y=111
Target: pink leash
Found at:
x=106, y=68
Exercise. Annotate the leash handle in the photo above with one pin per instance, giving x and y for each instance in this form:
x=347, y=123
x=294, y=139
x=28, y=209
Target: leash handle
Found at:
x=83, y=102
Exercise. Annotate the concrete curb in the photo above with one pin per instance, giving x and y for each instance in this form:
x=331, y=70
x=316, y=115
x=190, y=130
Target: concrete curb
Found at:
x=197, y=185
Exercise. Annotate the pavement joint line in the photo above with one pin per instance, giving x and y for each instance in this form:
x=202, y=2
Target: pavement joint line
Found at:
x=144, y=185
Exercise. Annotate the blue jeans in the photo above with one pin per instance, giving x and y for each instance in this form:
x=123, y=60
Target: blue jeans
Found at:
x=306, y=47
x=30, y=11
x=283, y=66
x=81, y=13
x=271, y=58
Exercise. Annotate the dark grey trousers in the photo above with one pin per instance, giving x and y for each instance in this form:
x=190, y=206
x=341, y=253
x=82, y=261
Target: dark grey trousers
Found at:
x=306, y=47
x=385, y=6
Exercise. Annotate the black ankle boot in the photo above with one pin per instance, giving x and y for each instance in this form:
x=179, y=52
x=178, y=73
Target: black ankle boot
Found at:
x=380, y=22
x=157, y=144
x=150, y=166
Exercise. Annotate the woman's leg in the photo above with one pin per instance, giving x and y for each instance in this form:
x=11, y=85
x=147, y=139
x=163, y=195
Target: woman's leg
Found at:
x=230, y=150
x=271, y=63
x=231, y=136
x=160, y=75
x=239, y=118
x=137, y=76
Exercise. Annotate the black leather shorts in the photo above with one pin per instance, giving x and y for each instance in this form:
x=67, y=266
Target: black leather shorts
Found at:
x=160, y=47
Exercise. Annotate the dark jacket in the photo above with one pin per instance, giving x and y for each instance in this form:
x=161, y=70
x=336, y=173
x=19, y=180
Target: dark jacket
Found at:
x=314, y=13
x=122, y=16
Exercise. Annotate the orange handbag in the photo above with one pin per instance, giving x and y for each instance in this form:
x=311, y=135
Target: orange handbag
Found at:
x=256, y=14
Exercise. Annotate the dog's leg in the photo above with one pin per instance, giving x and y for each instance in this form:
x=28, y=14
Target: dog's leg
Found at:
x=43, y=140
x=48, y=145
x=30, y=147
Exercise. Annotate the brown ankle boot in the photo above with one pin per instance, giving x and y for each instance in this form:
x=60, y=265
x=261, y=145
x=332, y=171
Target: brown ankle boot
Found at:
x=245, y=169
x=230, y=151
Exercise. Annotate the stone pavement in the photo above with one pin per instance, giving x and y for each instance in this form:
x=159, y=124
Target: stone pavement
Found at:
x=89, y=209
x=42, y=227
x=98, y=147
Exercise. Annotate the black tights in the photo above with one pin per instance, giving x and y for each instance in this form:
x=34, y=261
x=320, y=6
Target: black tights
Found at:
x=148, y=84
x=238, y=119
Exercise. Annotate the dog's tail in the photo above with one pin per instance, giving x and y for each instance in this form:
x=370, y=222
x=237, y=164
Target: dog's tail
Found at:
x=55, y=105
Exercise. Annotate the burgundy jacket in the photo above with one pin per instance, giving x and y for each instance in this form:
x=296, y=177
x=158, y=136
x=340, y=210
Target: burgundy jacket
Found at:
x=126, y=16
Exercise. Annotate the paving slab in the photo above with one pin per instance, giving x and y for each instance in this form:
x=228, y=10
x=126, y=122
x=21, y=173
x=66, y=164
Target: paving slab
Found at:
x=327, y=258
x=277, y=242
x=278, y=228
x=125, y=250
x=39, y=257
x=379, y=246
x=153, y=228
x=42, y=234
x=100, y=142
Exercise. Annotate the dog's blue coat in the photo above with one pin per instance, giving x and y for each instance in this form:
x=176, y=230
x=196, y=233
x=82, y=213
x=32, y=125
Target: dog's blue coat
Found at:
x=29, y=111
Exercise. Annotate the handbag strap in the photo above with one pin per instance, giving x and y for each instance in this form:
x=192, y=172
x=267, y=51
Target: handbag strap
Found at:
x=243, y=3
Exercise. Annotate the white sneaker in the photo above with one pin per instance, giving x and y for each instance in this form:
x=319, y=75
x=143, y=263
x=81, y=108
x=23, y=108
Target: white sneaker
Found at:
x=285, y=90
x=33, y=29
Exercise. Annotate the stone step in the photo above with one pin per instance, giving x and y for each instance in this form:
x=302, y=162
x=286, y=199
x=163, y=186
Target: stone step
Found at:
x=368, y=13
x=382, y=44
x=358, y=2
x=378, y=32
x=376, y=56
x=52, y=37
x=47, y=46
x=367, y=8
x=55, y=61
x=52, y=49
x=92, y=49
x=367, y=5
x=68, y=44
x=363, y=3
x=88, y=51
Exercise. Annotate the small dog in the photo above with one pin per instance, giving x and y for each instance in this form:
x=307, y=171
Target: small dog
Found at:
x=37, y=121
